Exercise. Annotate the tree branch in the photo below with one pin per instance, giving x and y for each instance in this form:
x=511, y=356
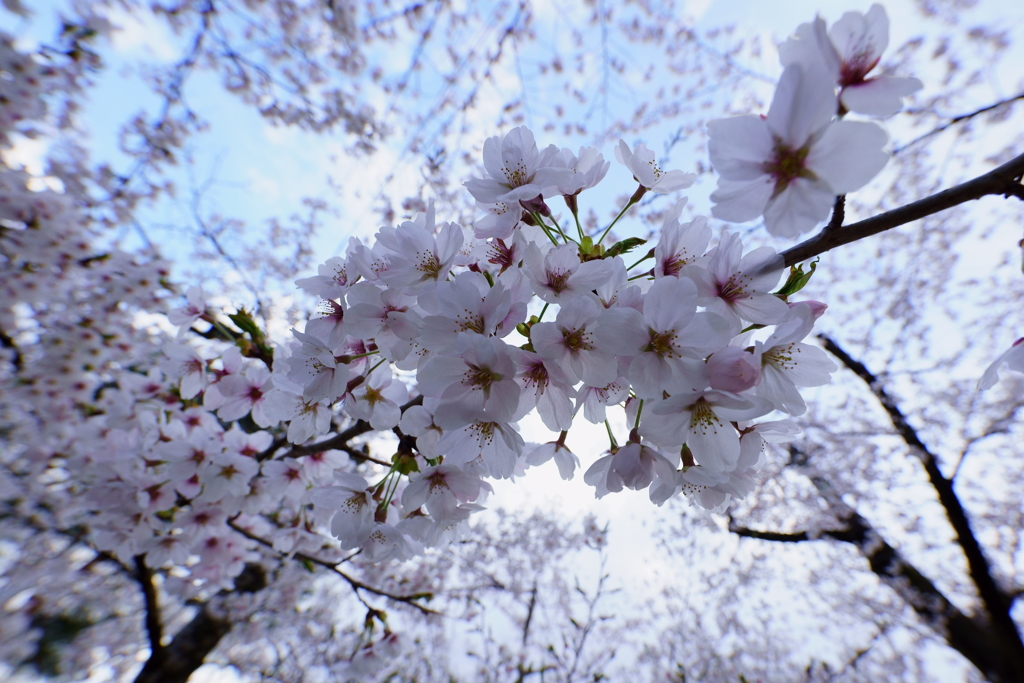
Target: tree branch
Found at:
x=996, y=601
x=154, y=625
x=355, y=583
x=974, y=640
x=1004, y=180
x=955, y=120
x=341, y=439
x=188, y=649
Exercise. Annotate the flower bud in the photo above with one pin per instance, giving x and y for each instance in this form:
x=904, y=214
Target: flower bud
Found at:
x=817, y=308
x=733, y=369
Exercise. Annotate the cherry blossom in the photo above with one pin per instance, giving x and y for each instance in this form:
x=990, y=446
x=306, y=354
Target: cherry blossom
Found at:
x=789, y=165
x=641, y=163
x=848, y=53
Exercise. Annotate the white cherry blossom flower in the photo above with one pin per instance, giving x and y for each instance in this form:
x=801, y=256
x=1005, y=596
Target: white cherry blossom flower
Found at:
x=703, y=421
x=848, y=53
x=441, y=489
x=641, y=163
x=595, y=399
x=185, y=363
x=314, y=368
x=418, y=422
x=572, y=344
x=680, y=244
x=539, y=453
x=331, y=281
x=482, y=381
x=377, y=398
x=668, y=341
x=588, y=169
x=517, y=170
x=349, y=508
x=558, y=275
x=790, y=165
x=735, y=285
x=186, y=315
x=242, y=394
x=496, y=444
x=546, y=387
x=419, y=257
x=787, y=363
x=632, y=466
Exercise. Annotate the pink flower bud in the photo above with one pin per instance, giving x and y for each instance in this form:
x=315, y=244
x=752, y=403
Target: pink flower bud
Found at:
x=817, y=308
x=733, y=369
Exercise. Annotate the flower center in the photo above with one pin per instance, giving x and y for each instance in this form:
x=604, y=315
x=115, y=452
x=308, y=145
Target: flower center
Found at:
x=787, y=165
x=734, y=288
x=662, y=344
x=703, y=418
x=577, y=340
x=558, y=280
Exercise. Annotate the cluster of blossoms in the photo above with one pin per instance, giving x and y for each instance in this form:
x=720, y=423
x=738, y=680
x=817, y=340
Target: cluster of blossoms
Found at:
x=522, y=312
x=439, y=337
x=790, y=164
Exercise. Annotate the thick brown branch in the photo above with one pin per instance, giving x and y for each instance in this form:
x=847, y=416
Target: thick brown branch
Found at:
x=973, y=640
x=997, y=602
x=154, y=624
x=7, y=341
x=1004, y=180
x=187, y=650
x=355, y=583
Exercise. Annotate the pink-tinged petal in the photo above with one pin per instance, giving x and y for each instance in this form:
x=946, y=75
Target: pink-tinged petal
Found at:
x=739, y=146
x=547, y=341
x=673, y=180
x=649, y=375
x=763, y=308
x=798, y=208
x=670, y=304
x=780, y=390
x=439, y=373
x=591, y=275
x=861, y=37
x=555, y=409
x=879, y=96
x=493, y=162
x=705, y=333
x=503, y=401
x=714, y=443
x=1014, y=359
x=804, y=103
x=597, y=369
x=764, y=266
x=622, y=331
x=742, y=200
x=810, y=366
x=848, y=155
x=811, y=47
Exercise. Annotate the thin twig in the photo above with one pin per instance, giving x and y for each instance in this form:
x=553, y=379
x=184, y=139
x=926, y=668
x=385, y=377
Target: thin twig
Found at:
x=355, y=583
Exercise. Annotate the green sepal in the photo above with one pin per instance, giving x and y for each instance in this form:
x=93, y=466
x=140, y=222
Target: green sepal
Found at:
x=797, y=280
x=625, y=246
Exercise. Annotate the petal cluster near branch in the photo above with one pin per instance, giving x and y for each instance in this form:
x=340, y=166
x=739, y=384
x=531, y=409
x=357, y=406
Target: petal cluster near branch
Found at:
x=790, y=165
